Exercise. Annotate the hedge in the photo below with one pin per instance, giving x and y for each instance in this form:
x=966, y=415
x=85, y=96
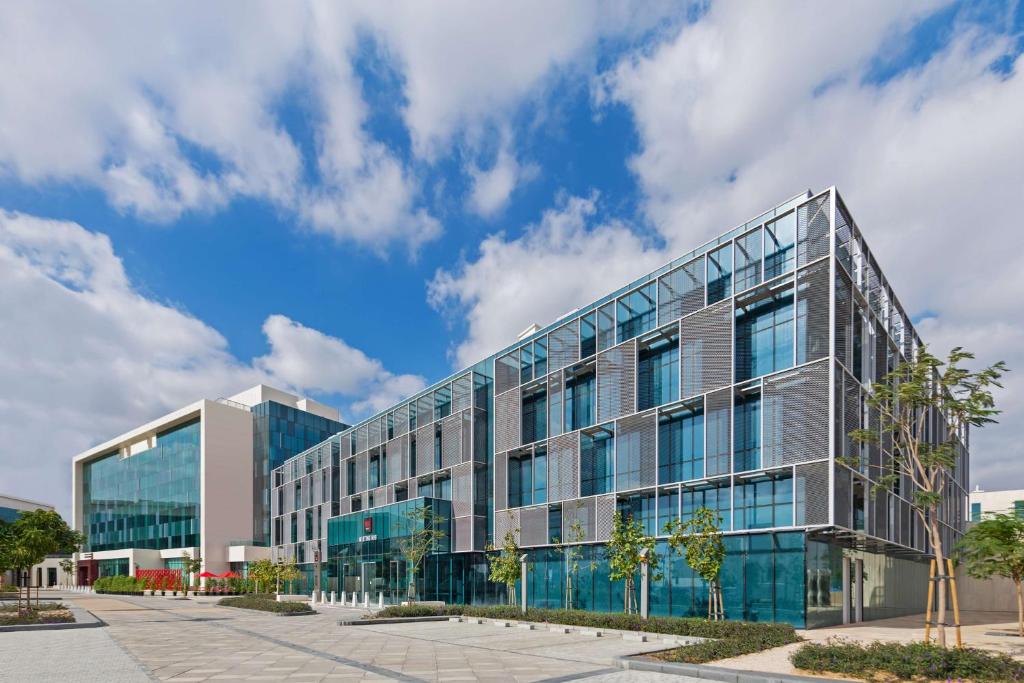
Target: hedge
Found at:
x=906, y=661
x=265, y=605
x=122, y=585
x=730, y=638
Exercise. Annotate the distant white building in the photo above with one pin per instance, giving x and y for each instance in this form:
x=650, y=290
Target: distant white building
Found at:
x=982, y=502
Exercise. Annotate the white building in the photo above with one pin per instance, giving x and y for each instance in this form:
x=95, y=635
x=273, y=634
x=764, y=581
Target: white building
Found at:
x=190, y=482
x=980, y=503
x=48, y=572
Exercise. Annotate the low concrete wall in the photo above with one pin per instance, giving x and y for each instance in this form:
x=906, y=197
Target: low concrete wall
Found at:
x=989, y=595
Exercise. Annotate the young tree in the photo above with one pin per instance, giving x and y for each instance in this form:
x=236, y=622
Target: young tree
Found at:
x=505, y=567
x=906, y=400
x=67, y=566
x=701, y=540
x=190, y=567
x=419, y=533
x=573, y=553
x=626, y=553
x=262, y=572
x=286, y=571
x=995, y=547
x=33, y=536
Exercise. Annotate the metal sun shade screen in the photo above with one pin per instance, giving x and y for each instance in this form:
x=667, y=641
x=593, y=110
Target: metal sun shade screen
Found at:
x=581, y=510
x=507, y=422
x=462, y=529
x=844, y=318
x=373, y=434
x=604, y=517
x=812, y=229
x=396, y=459
x=451, y=440
x=681, y=291
x=462, y=393
x=812, y=493
x=718, y=432
x=402, y=420
x=564, y=346
x=361, y=468
x=534, y=525
x=506, y=372
x=425, y=409
x=812, y=326
x=616, y=381
x=500, y=481
x=361, y=438
x=636, y=435
x=507, y=520
x=843, y=499
x=563, y=467
x=425, y=449
x=462, y=489
x=705, y=349
x=795, y=417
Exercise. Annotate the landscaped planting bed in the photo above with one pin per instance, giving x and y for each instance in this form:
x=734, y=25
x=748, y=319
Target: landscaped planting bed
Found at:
x=46, y=613
x=906, y=661
x=119, y=585
x=266, y=605
x=728, y=638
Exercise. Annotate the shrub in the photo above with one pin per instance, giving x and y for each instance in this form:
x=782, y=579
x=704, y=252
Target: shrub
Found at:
x=906, y=661
x=731, y=638
x=265, y=605
x=123, y=585
x=45, y=613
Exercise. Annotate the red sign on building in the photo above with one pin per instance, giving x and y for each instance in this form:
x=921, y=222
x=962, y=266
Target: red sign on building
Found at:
x=368, y=525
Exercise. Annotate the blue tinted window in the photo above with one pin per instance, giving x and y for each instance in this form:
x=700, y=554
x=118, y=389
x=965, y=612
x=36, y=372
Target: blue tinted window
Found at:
x=534, y=416
x=720, y=274
x=540, y=475
x=780, y=246
x=975, y=512
x=579, y=400
x=555, y=524
x=747, y=432
x=641, y=508
x=588, y=335
x=748, y=260
x=681, y=445
x=526, y=363
x=764, y=334
x=636, y=313
x=540, y=357
x=658, y=373
x=597, y=461
x=520, y=480
x=717, y=499
x=764, y=504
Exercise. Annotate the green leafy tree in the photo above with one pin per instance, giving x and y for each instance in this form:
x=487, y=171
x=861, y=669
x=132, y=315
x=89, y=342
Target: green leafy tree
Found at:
x=285, y=572
x=995, y=547
x=505, y=565
x=263, y=573
x=420, y=533
x=34, y=535
x=700, y=538
x=628, y=548
x=67, y=566
x=191, y=566
x=572, y=551
x=906, y=400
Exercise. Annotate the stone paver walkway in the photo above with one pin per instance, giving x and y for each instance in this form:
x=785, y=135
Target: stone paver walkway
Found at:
x=194, y=640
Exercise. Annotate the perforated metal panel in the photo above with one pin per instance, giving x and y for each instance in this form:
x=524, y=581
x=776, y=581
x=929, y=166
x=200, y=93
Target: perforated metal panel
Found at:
x=346, y=505
x=795, y=415
x=637, y=435
x=507, y=521
x=851, y=414
x=402, y=420
x=705, y=349
x=843, y=497
x=395, y=457
x=373, y=433
x=681, y=291
x=812, y=493
x=616, y=381
x=879, y=511
x=506, y=372
x=380, y=496
x=345, y=444
x=844, y=318
x=500, y=481
x=718, y=432
x=812, y=324
x=604, y=517
x=556, y=412
x=361, y=467
x=812, y=228
x=533, y=526
x=462, y=489
x=451, y=440
x=424, y=410
x=462, y=393
x=361, y=438
x=467, y=435
x=563, y=467
x=462, y=528
x=581, y=510
x=506, y=420
x=425, y=449
x=564, y=346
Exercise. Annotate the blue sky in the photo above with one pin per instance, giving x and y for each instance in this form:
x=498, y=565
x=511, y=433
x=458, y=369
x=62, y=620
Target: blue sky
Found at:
x=350, y=201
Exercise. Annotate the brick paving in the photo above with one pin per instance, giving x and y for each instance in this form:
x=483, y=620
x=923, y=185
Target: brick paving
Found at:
x=194, y=640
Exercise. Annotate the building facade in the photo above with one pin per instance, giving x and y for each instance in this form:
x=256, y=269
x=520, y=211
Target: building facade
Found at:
x=728, y=378
x=48, y=572
x=981, y=503
x=191, y=482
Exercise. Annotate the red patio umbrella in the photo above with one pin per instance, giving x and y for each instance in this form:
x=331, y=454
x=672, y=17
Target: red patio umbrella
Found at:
x=209, y=575
x=227, y=575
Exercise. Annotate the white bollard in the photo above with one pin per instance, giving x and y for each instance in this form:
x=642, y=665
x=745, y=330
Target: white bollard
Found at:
x=366, y=600
x=353, y=598
x=312, y=598
x=380, y=600
x=332, y=598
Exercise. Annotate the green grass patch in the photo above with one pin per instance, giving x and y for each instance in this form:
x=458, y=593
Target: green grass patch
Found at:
x=265, y=604
x=906, y=661
x=46, y=613
x=731, y=638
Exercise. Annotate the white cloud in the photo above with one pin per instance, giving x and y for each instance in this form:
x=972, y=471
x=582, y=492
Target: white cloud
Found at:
x=754, y=103
x=566, y=260
x=84, y=355
x=492, y=187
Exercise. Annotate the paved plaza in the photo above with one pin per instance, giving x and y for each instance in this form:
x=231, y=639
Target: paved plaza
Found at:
x=157, y=638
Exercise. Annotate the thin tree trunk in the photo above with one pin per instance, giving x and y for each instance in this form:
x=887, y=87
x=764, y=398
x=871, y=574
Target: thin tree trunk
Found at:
x=1020, y=610
x=940, y=612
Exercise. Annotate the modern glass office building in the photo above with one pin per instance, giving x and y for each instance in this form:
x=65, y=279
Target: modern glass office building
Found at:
x=728, y=378
x=191, y=482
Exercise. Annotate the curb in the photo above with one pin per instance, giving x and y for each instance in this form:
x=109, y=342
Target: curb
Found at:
x=713, y=673
x=391, y=620
x=83, y=619
x=268, y=612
